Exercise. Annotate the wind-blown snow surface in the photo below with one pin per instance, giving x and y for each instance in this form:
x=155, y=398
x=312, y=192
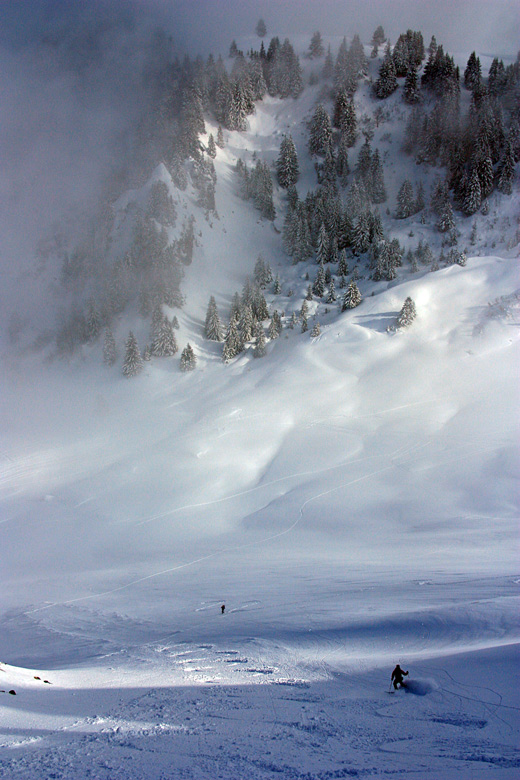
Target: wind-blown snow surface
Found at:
x=352, y=499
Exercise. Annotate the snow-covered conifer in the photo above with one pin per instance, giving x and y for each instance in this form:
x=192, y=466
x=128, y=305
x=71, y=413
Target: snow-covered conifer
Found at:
x=231, y=343
x=473, y=194
x=405, y=201
x=92, y=321
x=331, y=297
x=322, y=250
x=133, y=362
x=188, y=359
x=352, y=297
x=377, y=179
x=407, y=314
x=342, y=164
x=361, y=234
x=287, y=167
x=262, y=273
x=316, y=48
x=109, y=348
x=378, y=37
x=473, y=73
x=260, y=342
x=411, y=89
x=318, y=287
x=316, y=330
x=320, y=134
x=446, y=221
x=213, y=326
x=507, y=170
x=212, y=149
x=160, y=204
x=164, y=343
x=387, y=80
x=328, y=66
x=342, y=264
x=246, y=323
x=275, y=326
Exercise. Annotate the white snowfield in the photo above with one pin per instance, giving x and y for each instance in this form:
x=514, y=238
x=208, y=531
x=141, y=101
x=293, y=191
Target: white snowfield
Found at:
x=352, y=499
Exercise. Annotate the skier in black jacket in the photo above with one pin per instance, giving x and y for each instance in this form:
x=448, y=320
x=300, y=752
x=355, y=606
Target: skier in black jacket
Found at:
x=397, y=676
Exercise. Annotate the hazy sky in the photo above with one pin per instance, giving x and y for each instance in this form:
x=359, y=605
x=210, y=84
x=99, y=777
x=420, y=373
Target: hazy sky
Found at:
x=484, y=24
x=488, y=25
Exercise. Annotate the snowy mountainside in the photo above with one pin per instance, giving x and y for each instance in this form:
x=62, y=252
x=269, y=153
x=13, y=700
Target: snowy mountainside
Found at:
x=352, y=499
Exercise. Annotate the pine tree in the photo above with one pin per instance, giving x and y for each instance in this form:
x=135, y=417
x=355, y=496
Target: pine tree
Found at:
x=133, y=362
x=318, y=287
x=411, y=88
x=260, y=344
x=348, y=125
x=275, y=326
x=287, y=167
x=220, y=138
x=342, y=165
x=109, y=348
x=261, y=29
x=93, y=324
x=507, y=170
x=160, y=204
x=328, y=66
x=361, y=234
x=262, y=187
x=473, y=194
x=364, y=162
x=188, y=359
x=378, y=37
x=377, y=179
x=320, y=137
x=446, y=221
x=352, y=297
x=316, y=330
x=440, y=197
x=303, y=316
x=322, y=250
x=213, y=326
x=246, y=324
x=231, y=343
x=407, y=314
x=387, y=80
x=472, y=74
x=164, y=343
x=212, y=149
x=419, y=198
x=341, y=105
x=316, y=48
x=405, y=201
x=342, y=264
x=332, y=297
x=262, y=273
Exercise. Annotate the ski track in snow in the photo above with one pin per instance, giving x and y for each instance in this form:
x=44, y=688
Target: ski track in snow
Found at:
x=229, y=714
x=222, y=551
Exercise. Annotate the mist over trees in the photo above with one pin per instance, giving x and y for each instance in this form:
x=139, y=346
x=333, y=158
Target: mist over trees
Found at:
x=129, y=255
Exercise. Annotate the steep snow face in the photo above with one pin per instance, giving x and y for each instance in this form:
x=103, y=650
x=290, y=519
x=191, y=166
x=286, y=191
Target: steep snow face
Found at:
x=351, y=498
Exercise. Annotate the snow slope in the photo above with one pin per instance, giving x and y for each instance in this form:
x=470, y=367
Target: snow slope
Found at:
x=352, y=499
